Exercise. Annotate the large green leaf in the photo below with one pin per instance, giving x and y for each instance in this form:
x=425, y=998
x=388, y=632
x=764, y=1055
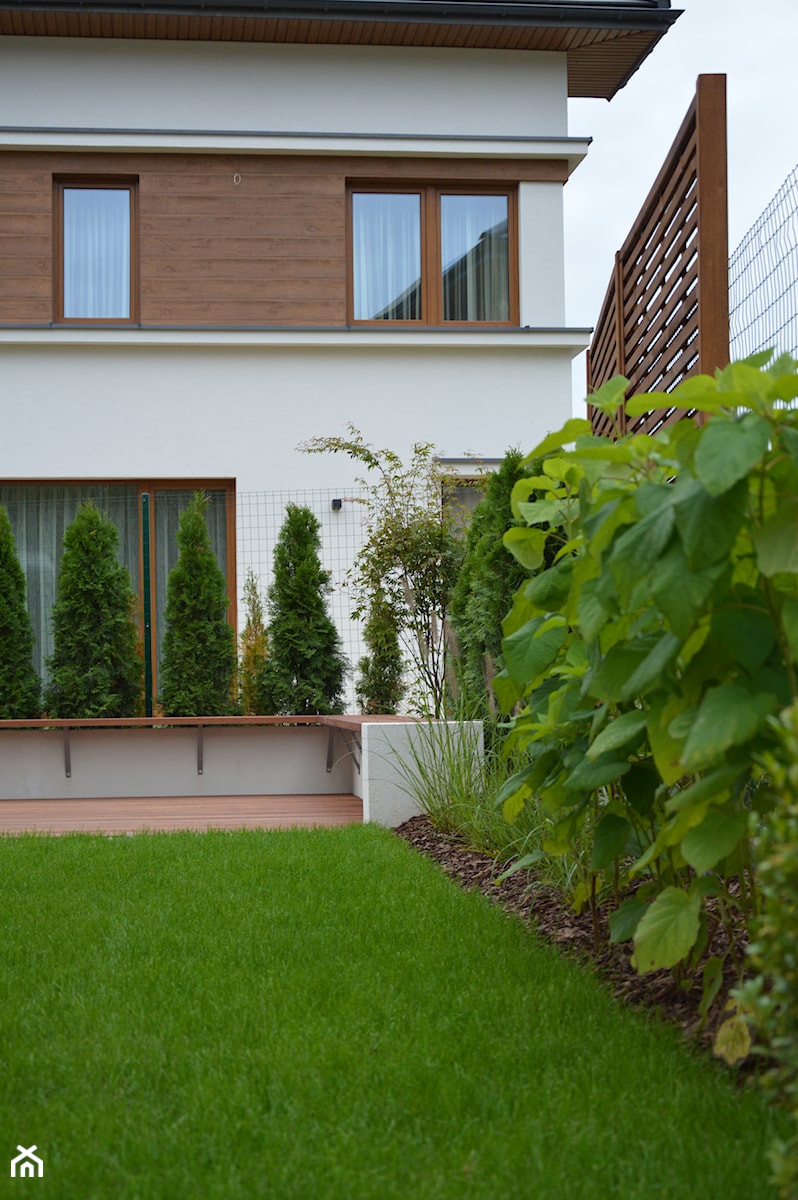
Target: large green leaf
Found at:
x=591, y=613
x=587, y=776
x=708, y=525
x=714, y=786
x=635, y=551
x=549, y=589
x=729, y=449
x=665, y=747
x=526, y=545
x=746, y=632
x=699, y=392
x=714, y=839
x=727, y=716
x=609, y=840
x=776, y=542
x=649, y=673
x=667, y=932
x=679, y=592
x=617, y=733
x=610, y=396
x=531, y=649
x=570, y=431
x=626, y=918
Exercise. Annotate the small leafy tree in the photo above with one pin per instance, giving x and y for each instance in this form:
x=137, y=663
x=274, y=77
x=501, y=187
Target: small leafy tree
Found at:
x=379, y=687
x=306, y=668
x=253, y=647
x=411, y=555
x=199, y=658
x=96, y=668
x=19, y=682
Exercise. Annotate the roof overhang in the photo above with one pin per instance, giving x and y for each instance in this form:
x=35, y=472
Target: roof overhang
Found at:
x=604, y=43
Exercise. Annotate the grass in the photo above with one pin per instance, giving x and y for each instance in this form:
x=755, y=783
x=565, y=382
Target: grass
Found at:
x=322, y=1015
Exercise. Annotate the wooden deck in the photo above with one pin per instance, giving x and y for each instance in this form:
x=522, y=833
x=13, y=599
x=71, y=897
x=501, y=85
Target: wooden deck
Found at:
x=163, y=814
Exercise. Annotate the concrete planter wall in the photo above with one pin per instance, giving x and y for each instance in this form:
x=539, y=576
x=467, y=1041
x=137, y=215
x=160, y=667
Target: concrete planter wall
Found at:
x=363, y=756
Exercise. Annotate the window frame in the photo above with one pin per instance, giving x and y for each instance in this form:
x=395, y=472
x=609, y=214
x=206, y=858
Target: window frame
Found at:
x=431, y=241
x=128, y=183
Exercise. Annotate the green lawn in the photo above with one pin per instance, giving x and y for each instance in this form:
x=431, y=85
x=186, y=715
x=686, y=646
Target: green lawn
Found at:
x=323, y=1015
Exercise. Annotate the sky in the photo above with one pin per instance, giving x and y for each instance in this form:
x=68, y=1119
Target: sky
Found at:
x=754, y=45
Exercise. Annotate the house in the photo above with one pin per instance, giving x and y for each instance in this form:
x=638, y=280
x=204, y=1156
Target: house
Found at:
x=227, y=226
x=27, y=1165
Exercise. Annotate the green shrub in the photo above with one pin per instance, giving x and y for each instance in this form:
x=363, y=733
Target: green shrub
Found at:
x=96, y=668
x=649, y=657
x=19, y=683
x=488, y=579
x=379, y=687
x=306, y=668
x=771, y=997
x=253, y=648
x=199, y=658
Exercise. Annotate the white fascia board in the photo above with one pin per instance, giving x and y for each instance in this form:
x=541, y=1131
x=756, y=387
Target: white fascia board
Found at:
x=574, y=341
x=571, y=149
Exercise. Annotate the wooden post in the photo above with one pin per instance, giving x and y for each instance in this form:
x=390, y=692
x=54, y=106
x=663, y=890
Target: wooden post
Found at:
x=713, y=224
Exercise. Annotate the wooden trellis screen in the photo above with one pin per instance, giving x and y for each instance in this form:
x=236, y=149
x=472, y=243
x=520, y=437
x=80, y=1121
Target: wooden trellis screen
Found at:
x=666, y=312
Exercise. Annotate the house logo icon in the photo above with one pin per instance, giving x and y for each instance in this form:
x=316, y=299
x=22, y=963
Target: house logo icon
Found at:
x=26, y=1165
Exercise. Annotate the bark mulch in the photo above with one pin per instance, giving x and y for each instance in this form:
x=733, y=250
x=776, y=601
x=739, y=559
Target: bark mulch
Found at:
x=543, y=909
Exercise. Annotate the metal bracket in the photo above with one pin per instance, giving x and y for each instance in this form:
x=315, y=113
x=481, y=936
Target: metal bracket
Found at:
x=67, y=753
x=352, y=747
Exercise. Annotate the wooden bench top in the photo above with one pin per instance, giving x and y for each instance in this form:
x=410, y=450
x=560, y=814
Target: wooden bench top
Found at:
x=334, y=720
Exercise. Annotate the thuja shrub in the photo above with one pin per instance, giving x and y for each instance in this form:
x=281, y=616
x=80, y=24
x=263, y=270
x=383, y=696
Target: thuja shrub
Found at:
x=648, y=659
x=306, y=668
x=379, y=686
x=253, y=647
x=488, y=579
x=19, y=682
x=198, y=663
x=96, y=668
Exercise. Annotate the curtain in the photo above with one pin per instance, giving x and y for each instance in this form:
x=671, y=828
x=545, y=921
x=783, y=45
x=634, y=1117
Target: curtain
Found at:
x=96, y=252
x=386, y=256
x=40, y=515
x=474, y=258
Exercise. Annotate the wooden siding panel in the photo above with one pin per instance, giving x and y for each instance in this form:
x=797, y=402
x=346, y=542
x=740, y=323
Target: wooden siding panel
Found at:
x=26, y=236
x=222, y=239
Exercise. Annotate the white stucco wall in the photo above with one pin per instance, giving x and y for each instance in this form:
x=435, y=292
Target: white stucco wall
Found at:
x=147, y=405
x=91, y=83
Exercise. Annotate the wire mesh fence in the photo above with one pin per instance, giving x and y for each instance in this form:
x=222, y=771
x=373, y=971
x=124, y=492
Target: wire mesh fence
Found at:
x=763, y=279
x=259, y=518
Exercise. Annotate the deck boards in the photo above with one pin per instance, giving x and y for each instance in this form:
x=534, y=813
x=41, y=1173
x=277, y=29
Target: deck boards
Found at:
x=137, y=814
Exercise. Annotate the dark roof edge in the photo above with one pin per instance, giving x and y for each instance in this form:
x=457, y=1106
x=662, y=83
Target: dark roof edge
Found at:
x=583, y=14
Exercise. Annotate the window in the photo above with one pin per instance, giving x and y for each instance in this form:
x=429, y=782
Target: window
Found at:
x=146, y=516
x=433, y=255
x=96, y=226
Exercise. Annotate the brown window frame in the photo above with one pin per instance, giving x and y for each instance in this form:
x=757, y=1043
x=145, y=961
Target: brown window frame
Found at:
x=431, y=289
x=129, y=184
